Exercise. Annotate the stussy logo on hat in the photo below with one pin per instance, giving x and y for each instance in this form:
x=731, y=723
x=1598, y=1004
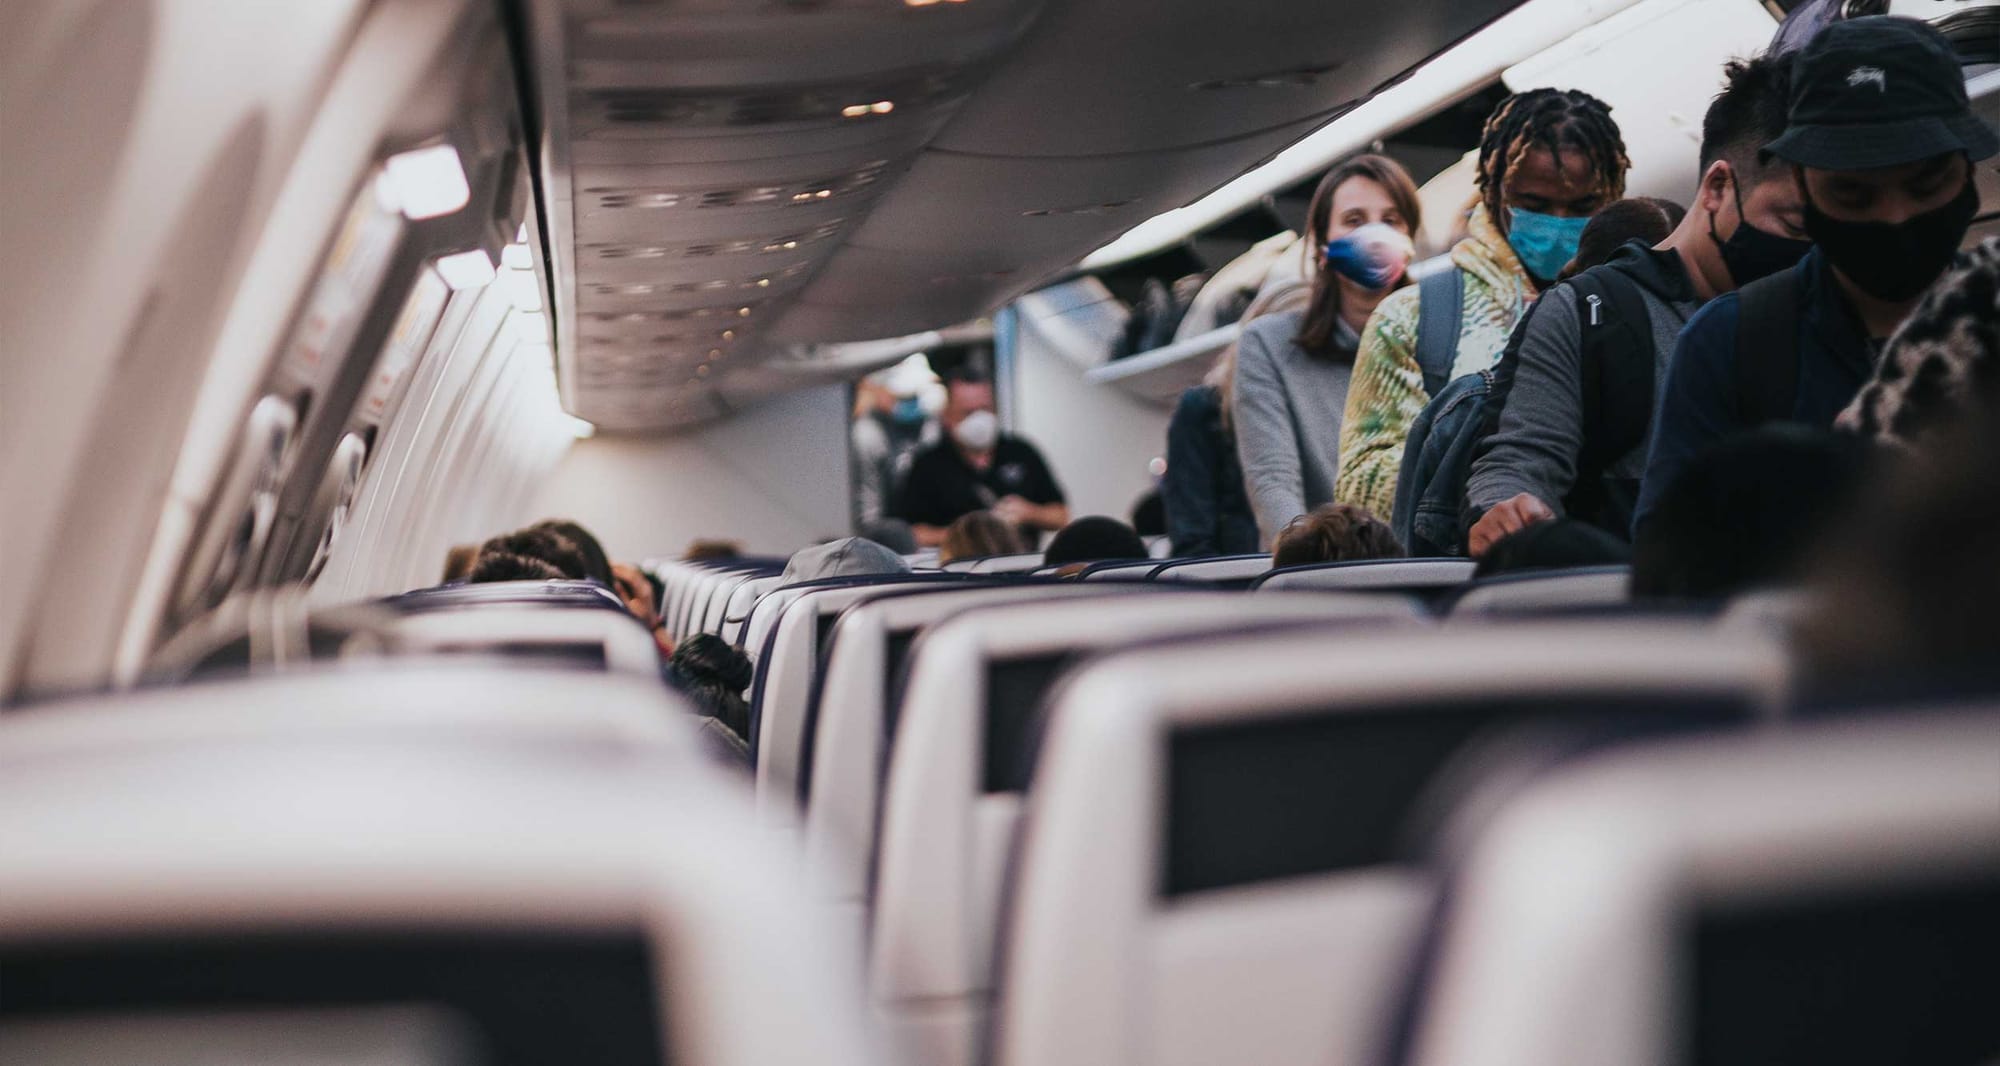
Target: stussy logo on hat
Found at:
x=1875, y=76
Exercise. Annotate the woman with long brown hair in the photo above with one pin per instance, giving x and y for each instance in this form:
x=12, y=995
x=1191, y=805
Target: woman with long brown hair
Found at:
x=1292, y=369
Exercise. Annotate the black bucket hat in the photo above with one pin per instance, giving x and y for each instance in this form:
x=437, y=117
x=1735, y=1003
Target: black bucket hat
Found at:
x=1879, y=91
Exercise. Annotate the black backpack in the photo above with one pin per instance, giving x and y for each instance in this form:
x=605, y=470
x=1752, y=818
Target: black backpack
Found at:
x=1616, y=362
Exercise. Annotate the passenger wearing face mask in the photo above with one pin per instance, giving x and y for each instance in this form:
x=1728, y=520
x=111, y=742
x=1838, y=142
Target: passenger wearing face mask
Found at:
x=1881, y=141
x=978, y=468
x=1570, y=437
x=1292, y=368
x=1548, y=159
x=889, y=426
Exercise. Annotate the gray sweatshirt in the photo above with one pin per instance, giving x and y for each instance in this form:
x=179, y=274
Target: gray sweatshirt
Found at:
x=1540, y=435
x=1287, y=411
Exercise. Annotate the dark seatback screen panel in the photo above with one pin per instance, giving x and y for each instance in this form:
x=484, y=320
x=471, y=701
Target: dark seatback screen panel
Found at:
x=895, y=655
x=575, y=655
x=1015, y=691
x=1911, y=978
x=524, y=998
x=1316, y=793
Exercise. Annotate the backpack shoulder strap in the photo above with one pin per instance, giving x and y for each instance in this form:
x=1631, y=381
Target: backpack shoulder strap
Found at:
x=1440, y=312
x=1767, y=348
x=1616, y=362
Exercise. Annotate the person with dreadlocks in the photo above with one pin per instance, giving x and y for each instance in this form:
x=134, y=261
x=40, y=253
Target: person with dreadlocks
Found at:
x=1575, y=392
x=1548, y=160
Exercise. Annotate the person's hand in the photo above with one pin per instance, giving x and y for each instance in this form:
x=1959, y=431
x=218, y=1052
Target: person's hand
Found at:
x=1015, y=511
x=636, y=591
x=1504, y=518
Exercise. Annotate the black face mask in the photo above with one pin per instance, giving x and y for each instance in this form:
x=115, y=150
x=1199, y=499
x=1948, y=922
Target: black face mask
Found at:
x=1895, y=262
x=1751, y=253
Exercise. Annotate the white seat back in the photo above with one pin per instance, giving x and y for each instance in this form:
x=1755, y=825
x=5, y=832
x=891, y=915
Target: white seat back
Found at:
x=1225, y=568
x=1384, y=574
x=1210, y=867
x=742, y=602
x=1006, y=564
x=956, y=775
x=547, y=897
x=1827, y=894
x=589, y=639
x=1598, y=586
x=856, y=720
x=787, y=671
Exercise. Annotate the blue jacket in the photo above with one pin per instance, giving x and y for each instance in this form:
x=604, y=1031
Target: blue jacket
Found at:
x=1207, y=510
x=1701, y=404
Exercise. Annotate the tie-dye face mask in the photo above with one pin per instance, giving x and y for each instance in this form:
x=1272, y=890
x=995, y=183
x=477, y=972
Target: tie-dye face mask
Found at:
x=1372, y=256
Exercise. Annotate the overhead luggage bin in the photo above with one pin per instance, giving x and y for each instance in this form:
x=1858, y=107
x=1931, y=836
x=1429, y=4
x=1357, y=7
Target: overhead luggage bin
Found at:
x=527, y=904
x=960, y=759
x=1830, y=893
x=1215, y=864
x=1546, y=591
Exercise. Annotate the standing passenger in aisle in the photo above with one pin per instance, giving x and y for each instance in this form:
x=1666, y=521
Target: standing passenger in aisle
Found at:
x=1881, y=140
x=979, y=468
x=1547, y=161
x=1563, y=449
x=1202, y=492
x=1292, y=369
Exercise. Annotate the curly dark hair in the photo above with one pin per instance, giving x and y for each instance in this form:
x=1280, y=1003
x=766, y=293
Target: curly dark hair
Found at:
x=1334, y=533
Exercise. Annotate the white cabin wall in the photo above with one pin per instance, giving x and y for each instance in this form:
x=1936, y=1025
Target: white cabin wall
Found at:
x=774, y=477
x=1097, y=439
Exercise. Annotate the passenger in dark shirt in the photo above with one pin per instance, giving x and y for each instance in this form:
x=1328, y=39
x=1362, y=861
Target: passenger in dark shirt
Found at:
x=978, y=468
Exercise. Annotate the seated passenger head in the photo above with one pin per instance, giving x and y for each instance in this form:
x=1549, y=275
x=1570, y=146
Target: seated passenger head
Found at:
x=597, y=565
x=1094, y=539
x=1553, y=545
x=507, y=566
x=1360, y=229
x=703, y=551
x=636, y=590
x=1743, y=514
x=1748, y=203
x=977, y=534
x=969, y=413
x=548, y=546
x=1942, y=363
x=714, y=675
x=1903, y=596
x=1334, y=533
x=846, y=557
x=1637, y=218
x=1882, y=140
x=458, y=562
x=1548, y=160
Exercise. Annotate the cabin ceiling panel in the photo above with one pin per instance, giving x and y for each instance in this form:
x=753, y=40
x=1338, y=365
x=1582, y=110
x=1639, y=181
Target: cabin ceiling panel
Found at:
x=729, y=177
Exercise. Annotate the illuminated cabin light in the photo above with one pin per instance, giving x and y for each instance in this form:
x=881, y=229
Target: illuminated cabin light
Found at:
x=702, y=370
x=854, y=111
x=715, y=353
x=729, y=334
x=466, y=270
x=763, y=283
x=879, y=107
x=823, y=193
x=429, y=182
x=742, y=312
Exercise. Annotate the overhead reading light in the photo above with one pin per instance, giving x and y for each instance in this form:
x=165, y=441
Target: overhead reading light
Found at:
x=466, y=270
x=879, y=107
x=428, y=182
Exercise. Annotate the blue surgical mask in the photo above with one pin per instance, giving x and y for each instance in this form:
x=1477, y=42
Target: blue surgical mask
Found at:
x=1544, y=243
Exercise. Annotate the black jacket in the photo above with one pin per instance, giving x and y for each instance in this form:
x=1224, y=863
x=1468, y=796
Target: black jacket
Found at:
x=1208, y=512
